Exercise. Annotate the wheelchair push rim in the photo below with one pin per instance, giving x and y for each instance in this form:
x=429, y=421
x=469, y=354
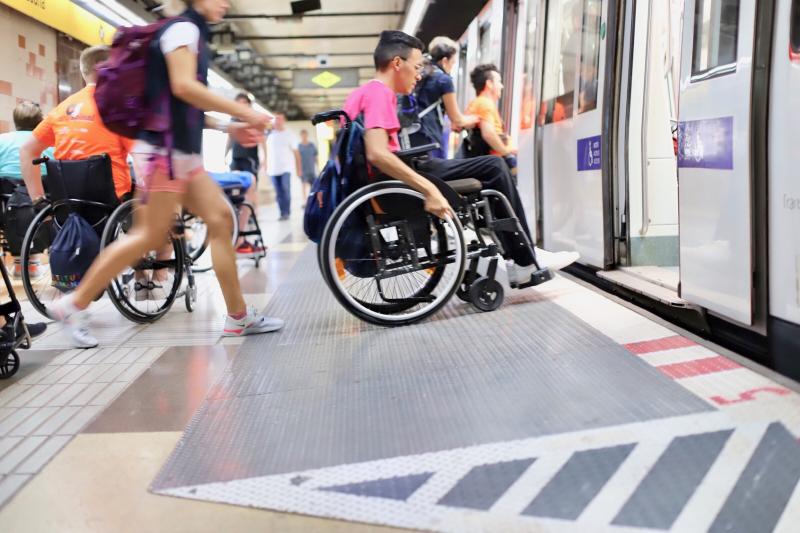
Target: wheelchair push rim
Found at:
x=122, y=289
x=428, y=287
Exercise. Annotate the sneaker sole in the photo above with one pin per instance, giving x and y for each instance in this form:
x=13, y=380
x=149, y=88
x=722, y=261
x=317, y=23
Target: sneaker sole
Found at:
x=251, y=331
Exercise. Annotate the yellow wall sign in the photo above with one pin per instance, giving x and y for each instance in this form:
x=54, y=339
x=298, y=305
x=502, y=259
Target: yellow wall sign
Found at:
x=66, y=17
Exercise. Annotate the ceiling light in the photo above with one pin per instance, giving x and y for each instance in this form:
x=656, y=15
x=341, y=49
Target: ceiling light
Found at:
x=414, y=16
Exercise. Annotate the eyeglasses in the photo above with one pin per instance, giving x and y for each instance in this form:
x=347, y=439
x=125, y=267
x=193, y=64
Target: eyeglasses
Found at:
x=418, y=67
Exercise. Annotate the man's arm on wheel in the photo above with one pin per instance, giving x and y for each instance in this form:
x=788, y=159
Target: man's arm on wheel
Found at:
x=376, y=141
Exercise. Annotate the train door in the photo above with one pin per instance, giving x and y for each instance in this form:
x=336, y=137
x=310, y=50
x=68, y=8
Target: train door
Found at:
x=714, y=158
x=570, y=122
x=647, y=182
x=784, y=188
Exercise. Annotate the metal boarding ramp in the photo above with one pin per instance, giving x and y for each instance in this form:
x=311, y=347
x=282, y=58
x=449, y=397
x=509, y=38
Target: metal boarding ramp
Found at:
x=561, y=411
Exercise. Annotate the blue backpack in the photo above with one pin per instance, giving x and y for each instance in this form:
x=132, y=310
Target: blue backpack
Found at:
x=342, y=174
x=75, y=247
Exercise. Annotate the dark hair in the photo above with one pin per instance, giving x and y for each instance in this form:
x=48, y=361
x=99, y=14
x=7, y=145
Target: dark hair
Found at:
x=480, y=75
x=27, y=115
x=243, y=96
x=442, y=48
x=393, y=44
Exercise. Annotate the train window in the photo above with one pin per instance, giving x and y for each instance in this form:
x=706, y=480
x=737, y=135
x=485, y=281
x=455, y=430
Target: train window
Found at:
x=795, y=30
x=590, y=56
x=561, y=47
x=527, y=113
x=716, y=30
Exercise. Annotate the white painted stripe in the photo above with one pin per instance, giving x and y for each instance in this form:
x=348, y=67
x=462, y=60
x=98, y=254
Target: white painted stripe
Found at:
x=607, y=504
x=791, y=515
x=701, y=510
x=678, y=355
x=539, y=474
x=439, y=484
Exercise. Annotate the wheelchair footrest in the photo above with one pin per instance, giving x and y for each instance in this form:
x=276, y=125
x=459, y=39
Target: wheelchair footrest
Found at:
x=537, y=278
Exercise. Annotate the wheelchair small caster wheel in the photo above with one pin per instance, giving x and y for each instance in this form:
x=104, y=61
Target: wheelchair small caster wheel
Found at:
x=463, y=294
x=486, y=294
x=190, y=297
x=9, y=365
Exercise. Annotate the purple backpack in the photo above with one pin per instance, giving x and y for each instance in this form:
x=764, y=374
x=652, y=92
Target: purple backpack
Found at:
x=121, y=93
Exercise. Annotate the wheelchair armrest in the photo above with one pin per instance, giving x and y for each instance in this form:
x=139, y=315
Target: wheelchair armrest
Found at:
x=325, y=116
x=417, y=150
x=40, y=160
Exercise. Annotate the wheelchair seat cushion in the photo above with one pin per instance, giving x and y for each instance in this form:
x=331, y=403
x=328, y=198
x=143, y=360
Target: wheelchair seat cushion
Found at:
x=236, y=178
x=465, y=186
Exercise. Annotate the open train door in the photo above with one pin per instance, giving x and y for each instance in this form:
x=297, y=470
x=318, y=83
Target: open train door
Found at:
x=714, y=159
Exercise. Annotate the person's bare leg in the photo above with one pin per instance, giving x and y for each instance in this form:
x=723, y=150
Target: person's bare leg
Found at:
x=152, y=223
x=205, y=199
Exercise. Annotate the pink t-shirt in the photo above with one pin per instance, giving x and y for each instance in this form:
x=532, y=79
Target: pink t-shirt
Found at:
x=378, y=103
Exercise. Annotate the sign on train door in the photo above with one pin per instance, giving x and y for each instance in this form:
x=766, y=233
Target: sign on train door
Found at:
x=714, y=176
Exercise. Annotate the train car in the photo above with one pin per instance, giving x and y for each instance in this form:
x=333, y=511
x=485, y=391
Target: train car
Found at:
x=655, y=138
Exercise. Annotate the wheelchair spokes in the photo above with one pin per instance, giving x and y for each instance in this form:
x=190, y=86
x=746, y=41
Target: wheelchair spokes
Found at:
x=392, y=269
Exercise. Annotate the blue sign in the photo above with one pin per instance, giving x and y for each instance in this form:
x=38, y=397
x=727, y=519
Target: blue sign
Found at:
x=589, y=153
x=706, y=143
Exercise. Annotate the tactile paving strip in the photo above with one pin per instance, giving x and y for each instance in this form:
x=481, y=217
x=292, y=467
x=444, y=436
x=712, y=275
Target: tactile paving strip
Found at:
x=338, y=418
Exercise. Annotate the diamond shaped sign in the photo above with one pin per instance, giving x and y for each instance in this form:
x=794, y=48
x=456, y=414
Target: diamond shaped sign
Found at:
x=326, y=79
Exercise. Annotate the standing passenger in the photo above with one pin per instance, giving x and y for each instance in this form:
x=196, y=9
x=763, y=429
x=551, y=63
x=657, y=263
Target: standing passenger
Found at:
x=282, y=159
x=247, y=159
x=437, y=89
x=308, y=162
x=176, y=177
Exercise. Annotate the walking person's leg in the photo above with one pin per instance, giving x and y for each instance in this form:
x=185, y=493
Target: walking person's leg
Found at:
x=277, y=184
x=205, y=199
x=152, y=222
x=286, y=180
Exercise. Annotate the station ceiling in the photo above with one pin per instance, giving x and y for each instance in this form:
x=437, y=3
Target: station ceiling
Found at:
x=263, y=46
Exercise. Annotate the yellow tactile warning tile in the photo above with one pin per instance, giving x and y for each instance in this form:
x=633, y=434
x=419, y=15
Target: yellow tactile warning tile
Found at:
x=98, y=483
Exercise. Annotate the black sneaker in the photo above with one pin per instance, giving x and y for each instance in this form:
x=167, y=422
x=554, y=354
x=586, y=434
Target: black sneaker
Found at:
x=35, y=329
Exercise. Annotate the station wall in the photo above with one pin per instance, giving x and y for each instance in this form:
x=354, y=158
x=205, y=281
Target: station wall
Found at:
x=28, y=64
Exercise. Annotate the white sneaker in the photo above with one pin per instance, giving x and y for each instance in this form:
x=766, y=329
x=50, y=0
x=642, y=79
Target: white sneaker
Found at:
x=518, y=275
x=253, y=323
x=75, y=322
x=555, y=260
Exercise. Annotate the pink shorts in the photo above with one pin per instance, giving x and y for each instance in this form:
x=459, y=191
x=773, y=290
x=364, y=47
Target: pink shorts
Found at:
x=152, y=168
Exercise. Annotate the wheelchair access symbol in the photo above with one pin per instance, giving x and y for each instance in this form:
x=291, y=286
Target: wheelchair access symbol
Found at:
x=589, y=153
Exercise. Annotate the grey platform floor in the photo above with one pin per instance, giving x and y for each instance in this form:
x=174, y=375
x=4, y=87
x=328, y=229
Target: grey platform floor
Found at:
x=377, y=409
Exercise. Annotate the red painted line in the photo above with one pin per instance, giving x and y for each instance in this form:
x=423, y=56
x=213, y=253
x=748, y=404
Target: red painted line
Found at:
x=659, y=345
x=698, y=367
x=750, y=395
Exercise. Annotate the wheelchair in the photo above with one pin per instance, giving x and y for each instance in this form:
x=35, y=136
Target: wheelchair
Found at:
x=86, y=187
x=235, y=185
x=388, y=262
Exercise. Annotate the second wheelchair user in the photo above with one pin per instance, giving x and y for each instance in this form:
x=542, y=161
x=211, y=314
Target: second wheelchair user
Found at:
x=173, y=177
x=398, y=63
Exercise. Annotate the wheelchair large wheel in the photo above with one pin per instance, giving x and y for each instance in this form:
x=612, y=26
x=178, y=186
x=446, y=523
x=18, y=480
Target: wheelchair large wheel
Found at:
x=386, y=260
x=196, y=234
x=35, y=246
x=145, y=291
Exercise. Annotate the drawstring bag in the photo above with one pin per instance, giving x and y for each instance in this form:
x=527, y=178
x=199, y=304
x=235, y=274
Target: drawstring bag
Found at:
x=74, y=248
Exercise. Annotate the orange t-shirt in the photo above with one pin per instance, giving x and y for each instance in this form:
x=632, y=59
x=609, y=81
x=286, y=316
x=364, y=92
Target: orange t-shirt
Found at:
x=484, y=108
x=75, y=130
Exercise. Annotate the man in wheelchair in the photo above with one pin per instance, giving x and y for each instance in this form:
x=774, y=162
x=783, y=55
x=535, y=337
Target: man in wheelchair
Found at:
x=399, y=62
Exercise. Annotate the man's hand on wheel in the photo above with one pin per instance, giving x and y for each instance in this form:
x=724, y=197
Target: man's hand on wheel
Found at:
x=436, y=204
